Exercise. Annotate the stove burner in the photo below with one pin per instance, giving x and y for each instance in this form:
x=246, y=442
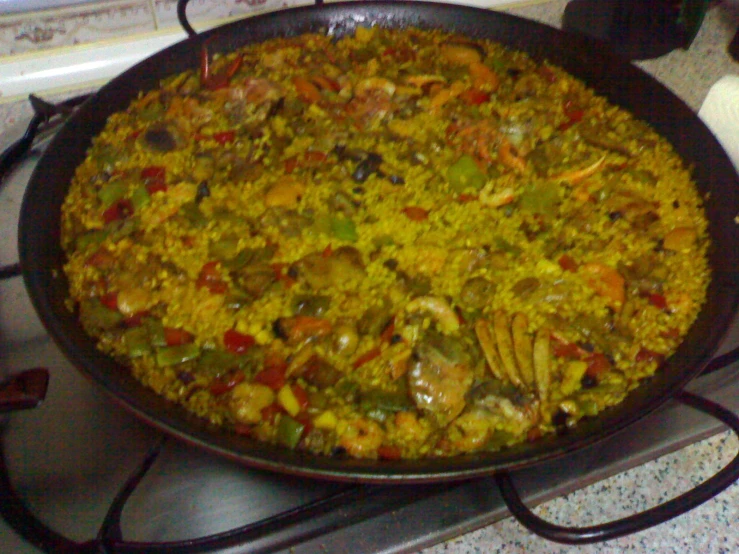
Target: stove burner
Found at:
x=335, y=515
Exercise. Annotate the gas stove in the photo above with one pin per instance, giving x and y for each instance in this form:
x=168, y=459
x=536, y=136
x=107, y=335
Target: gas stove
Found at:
x=75, y=460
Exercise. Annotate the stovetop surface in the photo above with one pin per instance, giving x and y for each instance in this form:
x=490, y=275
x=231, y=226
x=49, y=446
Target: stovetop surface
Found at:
x=68, y=459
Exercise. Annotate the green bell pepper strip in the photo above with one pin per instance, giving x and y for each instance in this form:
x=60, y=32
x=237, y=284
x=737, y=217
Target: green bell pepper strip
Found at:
x=173, y=355
x=289, y=431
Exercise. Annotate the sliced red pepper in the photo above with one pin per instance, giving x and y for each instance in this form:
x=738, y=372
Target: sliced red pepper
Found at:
x=110, y=300
x=389, y=452
x=597, y=364
x=210, y=278
x=224, y=137
x=658, y=301
x=291, y=164
x=533, y=434
x=136, y=319
x=301, y=396
x=565, y=349
x=401, y=54
x=215, y=81
x=367, y=357
x=326, y=83
x=221, y=385
x=307, y=91
x=567, y=263
x=415, y=213
x=155, y=178
x=646, y=355
x=314, y=157
x=270, y=413
x=547, y=73
x=387, y=333
x=281, y=275
x=119, y=210
x=327, y=252
x=474, y=97
x=157, y=186
x=671, y=333
x=296, y=328
x=466, y=197
x=177, y=337
x=273, y=376
x=154, y=173
x=243, y=429
x=236, y=342
x=101, y=258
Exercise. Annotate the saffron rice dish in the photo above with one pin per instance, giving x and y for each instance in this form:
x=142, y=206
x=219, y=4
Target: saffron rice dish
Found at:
x=396, y=244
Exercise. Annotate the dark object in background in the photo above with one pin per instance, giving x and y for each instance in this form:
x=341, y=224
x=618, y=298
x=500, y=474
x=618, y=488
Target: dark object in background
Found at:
x=638, y=29
x=734, y=47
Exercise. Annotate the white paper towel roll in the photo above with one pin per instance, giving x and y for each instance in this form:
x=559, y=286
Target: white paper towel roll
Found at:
x=720, y=112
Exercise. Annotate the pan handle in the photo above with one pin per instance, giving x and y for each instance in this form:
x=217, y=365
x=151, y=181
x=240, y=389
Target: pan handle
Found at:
x=185, y=24
x=638, y=522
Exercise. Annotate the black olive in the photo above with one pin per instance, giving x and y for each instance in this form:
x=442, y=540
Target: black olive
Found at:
x=339, y=452
x=560, y=422
x=588, y=381
x=367, y=167
x=391, y=264
x=185, y=377
x=160, y=139
x=278, y=328
x=676, y=204
x=358, y=190
x=396, y=180
x=615, y=216
x=396, y=338
x=202, y=192
x=588, y=347
x=513, y=72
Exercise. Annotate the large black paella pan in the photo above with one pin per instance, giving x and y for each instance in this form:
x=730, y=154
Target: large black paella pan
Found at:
x=42, y=257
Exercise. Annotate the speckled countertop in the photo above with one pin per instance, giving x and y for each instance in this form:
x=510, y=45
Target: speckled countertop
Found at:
x=713, y=527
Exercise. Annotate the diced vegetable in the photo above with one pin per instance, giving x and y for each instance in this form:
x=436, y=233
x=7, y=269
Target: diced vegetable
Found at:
x=272, y=376
x=173, y=355
x=111, y=192
x=289, y=431
x=137, y=341
x=95, y=315
x=237, y=343
x=344, y=228
x=464, y=174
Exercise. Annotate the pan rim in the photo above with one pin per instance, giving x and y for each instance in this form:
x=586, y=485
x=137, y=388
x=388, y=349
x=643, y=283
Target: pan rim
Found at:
x=96, y=366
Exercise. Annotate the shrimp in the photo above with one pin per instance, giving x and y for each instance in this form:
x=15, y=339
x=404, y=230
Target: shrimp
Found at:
x=360, y=437
x=439, y=308
x=437, y=384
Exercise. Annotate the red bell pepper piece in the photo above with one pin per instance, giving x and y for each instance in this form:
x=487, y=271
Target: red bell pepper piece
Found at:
x=236, y=342
x=597, y=364
x=474, y=97
x=110, y=300
x=210, y=278
x=119, y=210
x=224, y=137
x=273, y=376
x=567, y=263
x=415, y=213
x=367, y=357
x=466, y=197
x=389, y=452
x=177, y=337
x=221, y=385
x=658, y=301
